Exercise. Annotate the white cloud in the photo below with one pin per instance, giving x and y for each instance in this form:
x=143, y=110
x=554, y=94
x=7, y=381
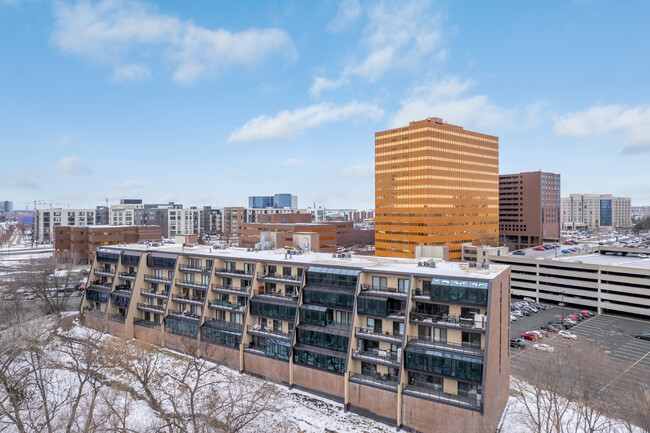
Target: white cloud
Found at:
x=357, y=172
x=131, y=73
x=348, y=13
x=115, y=31
x=293, y=162
x=601, y=120
x=19, y=182
x=398, y=35
x=131, y=184
x=446, y=99
x=287, y=124
x=72, y=165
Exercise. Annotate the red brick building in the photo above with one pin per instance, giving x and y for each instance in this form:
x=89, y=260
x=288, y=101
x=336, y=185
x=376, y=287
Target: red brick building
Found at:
x=83, y=241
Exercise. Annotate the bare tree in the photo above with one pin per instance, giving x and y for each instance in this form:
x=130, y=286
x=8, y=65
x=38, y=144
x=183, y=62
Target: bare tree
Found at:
x=52, y=279
x=5, y=235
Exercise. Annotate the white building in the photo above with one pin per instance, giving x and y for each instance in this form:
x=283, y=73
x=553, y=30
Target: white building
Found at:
x=46, y=219
x=592, y=211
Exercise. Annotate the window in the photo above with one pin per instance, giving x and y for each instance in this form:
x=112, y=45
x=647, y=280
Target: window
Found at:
x=403, y=285
x=379, y=283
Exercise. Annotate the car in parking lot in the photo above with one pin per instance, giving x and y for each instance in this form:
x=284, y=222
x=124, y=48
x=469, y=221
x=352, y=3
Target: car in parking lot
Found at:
x=549, y=327
x=567, y=334
x=518, y=343
x=566, y=251
x=544, y=347
x=530, y=336
x=517, y=313
x=643, y=336
x=513, y=318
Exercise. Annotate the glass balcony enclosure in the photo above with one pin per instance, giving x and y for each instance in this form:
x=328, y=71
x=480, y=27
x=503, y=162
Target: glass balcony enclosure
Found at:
x=273, y=310
x=321, y=339
x=319, y=360
x=446, y=364
x=341, y=278
x=328, y=299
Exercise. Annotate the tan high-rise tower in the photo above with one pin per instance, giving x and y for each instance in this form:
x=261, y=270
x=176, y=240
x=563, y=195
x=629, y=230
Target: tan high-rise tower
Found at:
x=435, y=184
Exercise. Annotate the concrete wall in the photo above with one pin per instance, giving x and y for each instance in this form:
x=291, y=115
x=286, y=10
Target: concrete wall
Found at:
x=221, y=355
x=380, y=403
x=324, y=382
x=94, y=322
x=419, y=415
x=148, y=335
x=272, y=369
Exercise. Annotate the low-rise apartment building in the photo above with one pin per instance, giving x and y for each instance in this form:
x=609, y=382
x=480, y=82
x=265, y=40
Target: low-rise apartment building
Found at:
x=45, y=220
x=423, y=345
x=82, y=242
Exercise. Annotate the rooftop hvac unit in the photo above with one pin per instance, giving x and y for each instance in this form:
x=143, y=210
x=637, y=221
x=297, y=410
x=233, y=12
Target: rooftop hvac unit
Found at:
x=479, y=265
x=472, y=264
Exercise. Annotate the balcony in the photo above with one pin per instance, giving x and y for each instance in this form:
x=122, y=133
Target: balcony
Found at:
x=147, y=323
x=103, y=272
x=231, y=290
x=470, y=402
x=130, y=276
x=191, y=300
x=383, y=357
x=151, y=308
x=123, y=290
x=386, y=382
x=191, y=269
x=389, y=292
x=192, y=284
x=177, y=314
x=279, y=278
x=452, y=322
x=227, y=306
x=101, y=286
x=277, y=296
x=156, y=279
x=151, y=293
x=377, y=335
x=446, y=346
x=236, y=273
x=268, y=332
x=223, y=324
x=117, y=318
x=94, y=312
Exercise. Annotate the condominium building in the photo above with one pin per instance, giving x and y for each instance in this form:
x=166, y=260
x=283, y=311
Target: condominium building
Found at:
x=593, y=211
x=529, y=209
x=420, y=345
x=233, y=217
x=82, y=242
x=435, y=184
x=212, y=221
x=45, y=220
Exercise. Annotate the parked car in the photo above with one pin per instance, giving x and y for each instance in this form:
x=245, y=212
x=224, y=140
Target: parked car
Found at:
x=530, y=336
x=567, y=334
x=539, y=332
x=527, y=299
x=517, y=313
x=566, y=251
x=513, y=318
x=544, y=347
x=518, y=343
x=29, y=296
x=519, y=253
x=643, y=336
x=549, y=327
x=539, y=249
x=524, y=312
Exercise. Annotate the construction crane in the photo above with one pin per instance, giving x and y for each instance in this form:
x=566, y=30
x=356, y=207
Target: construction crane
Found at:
x=49, y=203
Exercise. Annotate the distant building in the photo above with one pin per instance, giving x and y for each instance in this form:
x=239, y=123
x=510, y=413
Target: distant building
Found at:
x=135, y=202
x=212, y=221
x=45, y=220
x=233, y=217
x=82, y=242
x=6, y=206
x=593, y=211
x=25, y=218
x=435, y=184
x=253, y=215
x=482, y=253
x=280, y=231
x=640, y=212
x=317, y=214
x=529, y=209
x=276, y=201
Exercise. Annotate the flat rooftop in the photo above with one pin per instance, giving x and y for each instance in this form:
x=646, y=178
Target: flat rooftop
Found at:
x=605, y=260
x=365, y=263
x=591, y=258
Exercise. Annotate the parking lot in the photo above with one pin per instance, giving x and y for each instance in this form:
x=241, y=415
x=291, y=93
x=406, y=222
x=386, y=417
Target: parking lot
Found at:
x=612, y=334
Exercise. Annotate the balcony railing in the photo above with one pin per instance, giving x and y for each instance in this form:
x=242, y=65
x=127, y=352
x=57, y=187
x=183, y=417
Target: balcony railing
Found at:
x=388, y=291
x=198, y=270
x=101, y=286
x=117, y=318
x=147, y=323
x=378, y=357
x=94, y=312
x=278, y=295
x=151, y=293
x=157, y=309
x=226, y=305
x=372, y=334
x=155, y=279
x=229, y=289
x=447, y=321
x=192, y=300
x=475, y=402
x=268, y=332
x=237, y=273
x=382, y=381
x=127, y=276
x=223, y=324
x=192, y=284
x=279, y=277
x=103, y=272
x=183, y=315
x=447, y=346
x=124, y=287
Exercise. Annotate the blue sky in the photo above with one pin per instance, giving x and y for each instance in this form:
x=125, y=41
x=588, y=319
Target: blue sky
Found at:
x=206, y=103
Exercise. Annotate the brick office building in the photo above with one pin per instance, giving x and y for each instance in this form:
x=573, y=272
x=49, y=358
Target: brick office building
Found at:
x=84, y=241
